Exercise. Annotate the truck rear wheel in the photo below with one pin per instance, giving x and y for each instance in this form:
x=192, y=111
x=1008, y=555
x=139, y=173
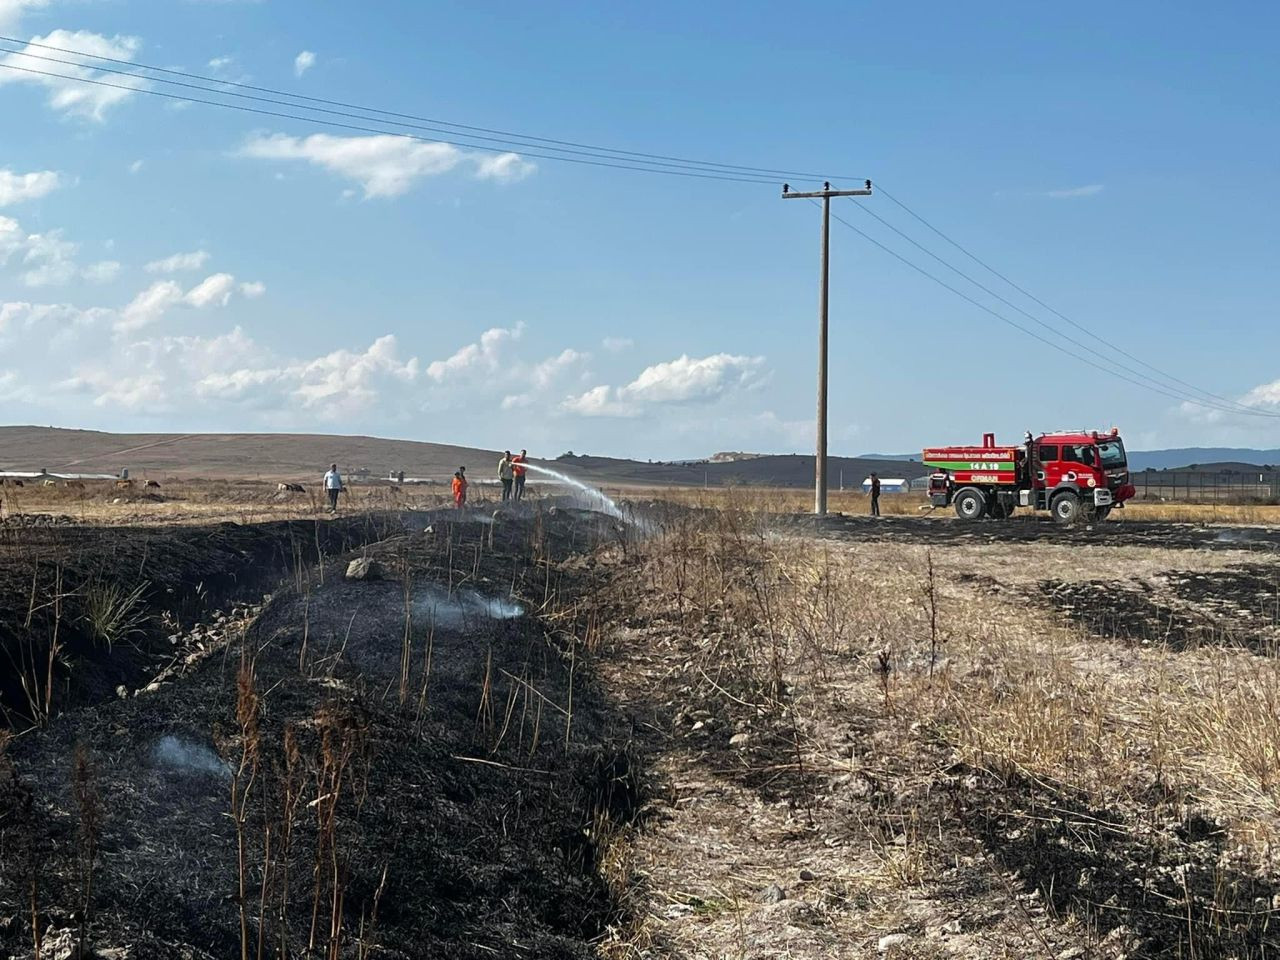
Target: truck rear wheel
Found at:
x=970, y=504
x=1065, y=509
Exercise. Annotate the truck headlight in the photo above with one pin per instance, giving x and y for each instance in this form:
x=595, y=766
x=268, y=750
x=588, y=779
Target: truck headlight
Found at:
x=1093, y=482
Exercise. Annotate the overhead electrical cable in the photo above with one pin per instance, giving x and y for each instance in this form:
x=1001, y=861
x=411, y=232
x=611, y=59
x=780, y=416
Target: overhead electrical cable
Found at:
x=1045, y=340
x=1061, y=316
x=1030, y=316
x=466, y=129
x=363, y=129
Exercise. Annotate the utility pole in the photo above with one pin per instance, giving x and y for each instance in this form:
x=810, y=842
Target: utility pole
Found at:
x=820, y=461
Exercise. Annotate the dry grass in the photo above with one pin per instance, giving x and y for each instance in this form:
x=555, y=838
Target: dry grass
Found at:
x=941, y=670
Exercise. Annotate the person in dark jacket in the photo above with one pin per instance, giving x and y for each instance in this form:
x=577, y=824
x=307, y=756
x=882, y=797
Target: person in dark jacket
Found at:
x=875, y=495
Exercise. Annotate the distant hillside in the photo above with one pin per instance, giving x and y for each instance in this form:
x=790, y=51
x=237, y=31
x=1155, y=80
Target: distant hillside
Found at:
x=225, y=455
x=1202, y=457
x=307, y=456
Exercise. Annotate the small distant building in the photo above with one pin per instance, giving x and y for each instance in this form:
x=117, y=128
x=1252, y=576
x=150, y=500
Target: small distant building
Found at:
x=888, y=485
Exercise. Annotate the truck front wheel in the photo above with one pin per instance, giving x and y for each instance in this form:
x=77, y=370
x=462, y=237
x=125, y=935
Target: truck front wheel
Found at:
x=970, y=504
x=1065, y=509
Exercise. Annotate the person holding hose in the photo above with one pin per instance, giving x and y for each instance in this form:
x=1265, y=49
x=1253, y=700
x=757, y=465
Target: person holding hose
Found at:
x=506, y=473
x=518, y=468
x=333, y=486
x=460, y=487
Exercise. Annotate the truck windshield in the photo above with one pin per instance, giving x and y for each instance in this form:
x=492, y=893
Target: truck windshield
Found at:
x=1112, y=453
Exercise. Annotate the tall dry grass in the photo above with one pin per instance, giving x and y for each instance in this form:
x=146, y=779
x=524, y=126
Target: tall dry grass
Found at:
x=999, y=677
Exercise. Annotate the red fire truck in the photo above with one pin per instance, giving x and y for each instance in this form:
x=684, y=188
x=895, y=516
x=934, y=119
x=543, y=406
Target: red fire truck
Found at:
x=1074, y=475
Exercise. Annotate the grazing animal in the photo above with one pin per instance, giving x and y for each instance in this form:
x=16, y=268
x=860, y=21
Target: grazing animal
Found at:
x=18, y=483
x=51, y=483
x=153, y=484
x=122, y=484
x=290, y=488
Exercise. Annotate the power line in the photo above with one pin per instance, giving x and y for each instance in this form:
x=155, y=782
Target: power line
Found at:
x=552, y=143
x=382, y=131
x=1031, y=333
x=1030, y=316
x=1061, y=316
x=506, y=144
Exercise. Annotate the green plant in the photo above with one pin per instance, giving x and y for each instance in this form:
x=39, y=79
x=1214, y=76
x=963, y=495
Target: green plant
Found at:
x=114, y=612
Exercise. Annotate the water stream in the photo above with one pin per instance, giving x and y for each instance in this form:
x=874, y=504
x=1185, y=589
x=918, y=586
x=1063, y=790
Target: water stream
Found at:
x=597, y=499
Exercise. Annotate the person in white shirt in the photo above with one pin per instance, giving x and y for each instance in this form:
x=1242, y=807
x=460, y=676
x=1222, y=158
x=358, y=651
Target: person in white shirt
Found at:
x=333, y=486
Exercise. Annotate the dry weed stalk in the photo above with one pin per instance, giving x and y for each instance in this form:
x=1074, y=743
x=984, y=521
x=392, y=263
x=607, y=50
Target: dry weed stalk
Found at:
x=84, y=787
x=245, y=775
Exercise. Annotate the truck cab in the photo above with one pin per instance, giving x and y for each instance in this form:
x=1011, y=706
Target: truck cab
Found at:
x=1076, y=475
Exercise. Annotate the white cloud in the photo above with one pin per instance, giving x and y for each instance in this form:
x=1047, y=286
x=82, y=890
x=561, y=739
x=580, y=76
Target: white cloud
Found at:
x=216, y=289
x=253, y=289
x=11, y=11
x=303, y=62
x=481, y=357
x=75, y=98
x=221, y=63
x=49, y=259
x=1263, y=395
x=685, y=380
x=617, y=344
x=505, y=167
x=104, y=271
x=150, y=306
x=178, y=262
x=16, y=187
x=46, y=259
x=602, y=401
x=1069, y=193
x=383, y=165
x=136, y=166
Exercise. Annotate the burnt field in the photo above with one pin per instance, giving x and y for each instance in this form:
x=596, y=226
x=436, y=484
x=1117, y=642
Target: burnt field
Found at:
x=692, y=731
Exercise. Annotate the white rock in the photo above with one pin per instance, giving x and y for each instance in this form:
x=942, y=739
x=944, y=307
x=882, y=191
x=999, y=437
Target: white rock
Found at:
x=887, y=943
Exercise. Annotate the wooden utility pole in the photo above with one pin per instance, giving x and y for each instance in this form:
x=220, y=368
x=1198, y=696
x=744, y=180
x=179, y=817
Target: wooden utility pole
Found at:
x=820, y=461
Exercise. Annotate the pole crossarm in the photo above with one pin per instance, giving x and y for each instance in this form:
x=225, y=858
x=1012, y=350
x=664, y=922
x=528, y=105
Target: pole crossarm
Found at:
x=815, y=194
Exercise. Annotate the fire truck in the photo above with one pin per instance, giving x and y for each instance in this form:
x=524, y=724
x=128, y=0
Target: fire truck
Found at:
x=1075, y=475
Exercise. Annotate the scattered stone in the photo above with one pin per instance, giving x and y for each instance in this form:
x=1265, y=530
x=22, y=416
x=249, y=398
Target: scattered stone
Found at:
x=365, y=568
x=772, y=894
x=1071, y=953
x=890, y=941
x=122, y=691
x=807, y=876
x=740, y=740
x=791, y=911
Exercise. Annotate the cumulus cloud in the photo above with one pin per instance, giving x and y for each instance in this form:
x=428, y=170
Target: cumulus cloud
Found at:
x=17, y=187
x=68, y=96
x=1070, y=193
x=383, y=165
x=303, y=62
x=11, y=11
x=178, y=262
x=150, y=306
x=1263, y=395
x=216, y=289
x=685, y=380
x=504, y=167
x=483, y=356
x=48, y=259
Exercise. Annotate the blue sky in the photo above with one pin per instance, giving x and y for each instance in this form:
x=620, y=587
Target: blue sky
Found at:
x=182, y=268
